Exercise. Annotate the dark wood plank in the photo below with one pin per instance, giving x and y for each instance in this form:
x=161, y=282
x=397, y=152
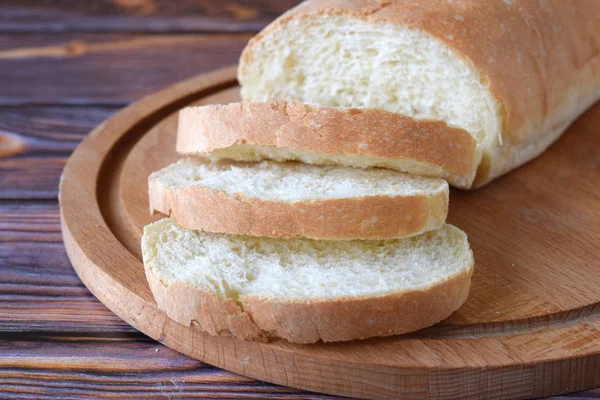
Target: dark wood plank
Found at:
x=47, y=130
x=35, y=143
x=51, y=366
x=30, y=177
x=139, y=15
x=37, y=75
x=39, y=291
x=56, y=366
x=100, y=69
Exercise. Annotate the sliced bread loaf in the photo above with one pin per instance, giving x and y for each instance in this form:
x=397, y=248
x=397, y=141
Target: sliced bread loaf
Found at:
x=305, y=290
x=323, y=135
x=514, y=74
x=294, y=199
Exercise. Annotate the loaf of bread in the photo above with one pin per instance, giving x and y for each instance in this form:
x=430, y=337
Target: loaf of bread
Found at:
x=280, y=130
x=293, y=200
x=513, y=74
x=305, y=290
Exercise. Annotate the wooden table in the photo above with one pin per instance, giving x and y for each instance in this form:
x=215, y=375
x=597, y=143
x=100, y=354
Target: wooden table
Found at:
x=65, y=66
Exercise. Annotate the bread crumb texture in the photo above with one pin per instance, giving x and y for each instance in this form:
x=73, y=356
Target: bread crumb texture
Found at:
x=232, y=266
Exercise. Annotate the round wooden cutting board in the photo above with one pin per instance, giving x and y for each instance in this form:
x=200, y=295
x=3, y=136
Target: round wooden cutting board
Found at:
x=530, y=328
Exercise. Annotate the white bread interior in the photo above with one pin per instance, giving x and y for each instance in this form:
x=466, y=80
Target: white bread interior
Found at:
x=386, y=67
x=305, y=290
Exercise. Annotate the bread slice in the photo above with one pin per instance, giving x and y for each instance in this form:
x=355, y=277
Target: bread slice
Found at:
x=305, y=290
x=293, y=199
x=514, y=74
x=323, y=135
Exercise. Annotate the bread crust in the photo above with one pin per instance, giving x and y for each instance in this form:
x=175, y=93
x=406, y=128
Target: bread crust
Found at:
x=371, y=217
x=453, y=155
x=540, y=59
x=340, y=319
x=190, y=306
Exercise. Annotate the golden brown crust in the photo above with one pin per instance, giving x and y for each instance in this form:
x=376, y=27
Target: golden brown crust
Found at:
x=331, y=131
x=191, y=306
x=372, y=217
x=359, y=318
x=300, y=321
x=541, y=59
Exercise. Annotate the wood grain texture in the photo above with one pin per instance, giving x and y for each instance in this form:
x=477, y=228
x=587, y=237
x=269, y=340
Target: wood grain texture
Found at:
x=118, y=366
x=529, y=329
x=52, y=130
x=35, y=143
x=105, y=69
x=39, y=290
x=30, y=177
x=139, y=15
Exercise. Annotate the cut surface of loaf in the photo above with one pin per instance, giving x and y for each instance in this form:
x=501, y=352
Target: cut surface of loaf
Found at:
x=294, y=199
x=305, y=290
x=514, y=74
x=280, y=130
